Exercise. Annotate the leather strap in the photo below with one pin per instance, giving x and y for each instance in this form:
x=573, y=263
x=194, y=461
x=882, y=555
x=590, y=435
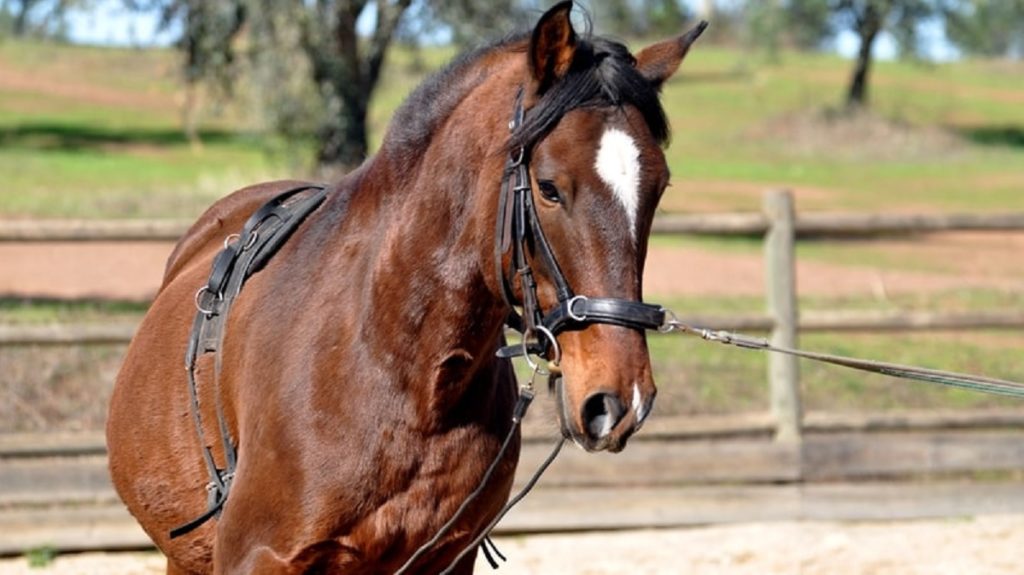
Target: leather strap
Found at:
x=263, y=234
x=518, y=231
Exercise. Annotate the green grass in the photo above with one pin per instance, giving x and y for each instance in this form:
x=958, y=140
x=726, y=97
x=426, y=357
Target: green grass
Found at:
x=41, y=311
x=80, y=136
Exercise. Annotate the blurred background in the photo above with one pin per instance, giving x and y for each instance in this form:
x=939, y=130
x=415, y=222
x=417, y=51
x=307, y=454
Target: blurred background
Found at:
x=141, y=113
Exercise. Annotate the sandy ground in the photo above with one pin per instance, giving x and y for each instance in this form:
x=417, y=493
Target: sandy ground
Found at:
x=982, y=546
x=940, y=262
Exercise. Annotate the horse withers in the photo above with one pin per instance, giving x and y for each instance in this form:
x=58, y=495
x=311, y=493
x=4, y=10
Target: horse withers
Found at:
x=355, y=393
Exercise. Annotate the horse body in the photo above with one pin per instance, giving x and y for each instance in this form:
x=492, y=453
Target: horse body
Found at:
x=357, y=369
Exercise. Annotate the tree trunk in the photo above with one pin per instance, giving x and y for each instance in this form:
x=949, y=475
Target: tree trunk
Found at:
x=342, y=138
x=20, y=25
x=869, y=24
x=347, y=70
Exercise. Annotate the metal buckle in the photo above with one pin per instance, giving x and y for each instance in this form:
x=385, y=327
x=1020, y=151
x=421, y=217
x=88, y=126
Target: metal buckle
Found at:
x=575, y=316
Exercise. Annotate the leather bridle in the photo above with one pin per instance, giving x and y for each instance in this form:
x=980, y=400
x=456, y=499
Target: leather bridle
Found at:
x=519, y=231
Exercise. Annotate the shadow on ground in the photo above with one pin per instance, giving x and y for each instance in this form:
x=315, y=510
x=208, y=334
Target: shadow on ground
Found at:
x=76, y=137
x=1010, y=136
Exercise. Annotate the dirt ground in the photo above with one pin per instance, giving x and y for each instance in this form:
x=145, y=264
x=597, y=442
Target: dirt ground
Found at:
x=941, y=262
x=983, y=546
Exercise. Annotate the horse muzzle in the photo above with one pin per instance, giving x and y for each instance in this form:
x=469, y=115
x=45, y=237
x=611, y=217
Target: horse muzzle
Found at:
x=602, y=421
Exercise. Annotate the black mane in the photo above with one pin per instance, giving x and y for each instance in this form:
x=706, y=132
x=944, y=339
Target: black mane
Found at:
x=416, y=120
x=602, y=74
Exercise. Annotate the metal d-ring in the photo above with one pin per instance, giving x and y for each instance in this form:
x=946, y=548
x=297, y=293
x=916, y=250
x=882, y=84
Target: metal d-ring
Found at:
x=575, y=316
x=252, y=240
x=671, y=322
x=199, y=306
x=554, y=345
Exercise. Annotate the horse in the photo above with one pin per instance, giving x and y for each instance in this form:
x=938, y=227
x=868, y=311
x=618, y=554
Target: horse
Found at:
x=356, y=381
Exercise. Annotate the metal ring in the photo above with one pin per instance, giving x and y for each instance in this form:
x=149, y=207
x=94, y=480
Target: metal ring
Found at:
x=670, y=323
x=252, y=240
x=229, y=239
x=199, y=306
x=554, y=345
x=573, y=315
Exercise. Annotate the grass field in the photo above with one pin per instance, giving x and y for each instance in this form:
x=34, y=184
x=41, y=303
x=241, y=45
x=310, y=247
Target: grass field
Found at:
x=94, y=132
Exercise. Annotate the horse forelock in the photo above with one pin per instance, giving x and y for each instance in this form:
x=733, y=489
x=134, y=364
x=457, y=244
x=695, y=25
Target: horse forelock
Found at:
x=603, y=74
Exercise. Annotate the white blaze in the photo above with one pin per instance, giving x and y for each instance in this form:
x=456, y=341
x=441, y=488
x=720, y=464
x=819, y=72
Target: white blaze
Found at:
x=618, y=164
x=638, y=405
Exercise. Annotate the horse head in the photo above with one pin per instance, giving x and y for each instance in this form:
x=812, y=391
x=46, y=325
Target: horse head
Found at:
x=587, y=137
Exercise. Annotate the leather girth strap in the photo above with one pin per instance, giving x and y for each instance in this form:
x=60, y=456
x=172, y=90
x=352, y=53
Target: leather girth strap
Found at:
x=243, y=255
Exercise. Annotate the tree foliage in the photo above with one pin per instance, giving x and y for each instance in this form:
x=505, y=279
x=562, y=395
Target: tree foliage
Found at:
x=993, y=28
x=638, y=18
x=44, y=18
x=469, y=22
x=311, y=72
x=799, y=24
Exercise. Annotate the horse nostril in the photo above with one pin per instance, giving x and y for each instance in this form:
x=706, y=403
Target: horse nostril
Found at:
x=601, y=411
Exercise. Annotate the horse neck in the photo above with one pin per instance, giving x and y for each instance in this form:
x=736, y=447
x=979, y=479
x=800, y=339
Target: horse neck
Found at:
x=431, y=287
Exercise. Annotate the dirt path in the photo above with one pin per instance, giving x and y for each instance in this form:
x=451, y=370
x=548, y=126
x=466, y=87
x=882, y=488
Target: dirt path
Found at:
x=934, y=263
x=984, y=546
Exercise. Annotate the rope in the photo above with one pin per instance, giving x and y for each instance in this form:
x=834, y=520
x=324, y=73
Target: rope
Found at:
x=947, y=378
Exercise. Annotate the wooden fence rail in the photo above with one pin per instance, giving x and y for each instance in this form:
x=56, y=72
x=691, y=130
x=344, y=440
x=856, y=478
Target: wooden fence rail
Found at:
x=779, y=224
x=810, y=322
x=743, y=224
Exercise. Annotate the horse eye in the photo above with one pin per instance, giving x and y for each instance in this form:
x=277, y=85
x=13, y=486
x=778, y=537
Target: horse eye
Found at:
x=549, y=191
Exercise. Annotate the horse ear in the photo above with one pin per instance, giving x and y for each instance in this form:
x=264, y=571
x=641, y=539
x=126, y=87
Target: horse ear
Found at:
x=658, y=62
x=552, y=46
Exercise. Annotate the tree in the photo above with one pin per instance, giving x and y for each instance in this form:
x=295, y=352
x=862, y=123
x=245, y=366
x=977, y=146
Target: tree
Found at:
x=207, y=42
x=801, y=24
x=311, y=70
x=41, y=17
x=867, y=19
x=638, y=18
x=470, y=22
x=344, y=69
x=993, y=28
x=809, y=23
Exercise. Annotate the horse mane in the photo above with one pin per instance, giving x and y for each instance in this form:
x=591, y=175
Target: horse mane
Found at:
x=602, y=74
x=416, y=120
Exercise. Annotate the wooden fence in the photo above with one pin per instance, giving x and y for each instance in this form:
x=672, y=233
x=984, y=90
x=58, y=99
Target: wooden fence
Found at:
x=779, y=224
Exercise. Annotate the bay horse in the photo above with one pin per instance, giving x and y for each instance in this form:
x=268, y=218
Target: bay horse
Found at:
x=356, y=374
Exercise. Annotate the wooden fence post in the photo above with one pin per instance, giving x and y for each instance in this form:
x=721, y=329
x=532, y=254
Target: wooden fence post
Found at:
x=780, y=277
